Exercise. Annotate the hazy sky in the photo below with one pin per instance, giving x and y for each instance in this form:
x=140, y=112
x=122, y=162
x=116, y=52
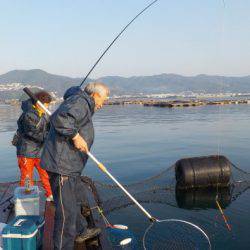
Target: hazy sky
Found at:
x=175, y=36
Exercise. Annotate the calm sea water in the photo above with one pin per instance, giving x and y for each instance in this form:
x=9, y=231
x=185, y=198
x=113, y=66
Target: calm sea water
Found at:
x=136, y=142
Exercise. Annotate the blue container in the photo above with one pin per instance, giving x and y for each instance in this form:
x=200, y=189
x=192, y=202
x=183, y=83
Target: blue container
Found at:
x=23, y=233
x=39, y=221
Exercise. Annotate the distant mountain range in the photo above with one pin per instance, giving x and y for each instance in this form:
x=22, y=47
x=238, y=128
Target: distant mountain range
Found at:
x=11, y=83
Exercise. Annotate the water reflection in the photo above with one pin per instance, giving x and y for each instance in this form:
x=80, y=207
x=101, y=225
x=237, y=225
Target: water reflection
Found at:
x=203, y=198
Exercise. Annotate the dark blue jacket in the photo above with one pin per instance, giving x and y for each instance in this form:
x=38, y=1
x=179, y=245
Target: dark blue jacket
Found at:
x=73, y=116
x=32, y=131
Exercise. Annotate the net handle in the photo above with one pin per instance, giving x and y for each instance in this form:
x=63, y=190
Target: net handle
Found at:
x=99, y=164
x=35, y=100
x=103, y=169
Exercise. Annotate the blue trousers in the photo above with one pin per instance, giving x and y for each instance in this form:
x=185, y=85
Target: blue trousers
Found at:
x=69, y=195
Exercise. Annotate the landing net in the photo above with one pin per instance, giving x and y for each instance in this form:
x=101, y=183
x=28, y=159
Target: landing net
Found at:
x=175, y=234
x=161, y=190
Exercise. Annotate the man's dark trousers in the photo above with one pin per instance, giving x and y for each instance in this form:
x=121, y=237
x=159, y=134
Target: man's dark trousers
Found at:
x=68, y=194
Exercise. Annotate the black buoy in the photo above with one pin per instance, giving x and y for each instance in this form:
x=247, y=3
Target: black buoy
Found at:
x=204, y=171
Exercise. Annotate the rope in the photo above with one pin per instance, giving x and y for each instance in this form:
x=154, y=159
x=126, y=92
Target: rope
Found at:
x=106, y=222
x=136, y=183
x=222, y=214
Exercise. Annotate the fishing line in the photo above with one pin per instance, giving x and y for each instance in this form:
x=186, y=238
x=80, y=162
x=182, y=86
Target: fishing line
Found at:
x=221, y=42
x=222, y=32
x=105, y=51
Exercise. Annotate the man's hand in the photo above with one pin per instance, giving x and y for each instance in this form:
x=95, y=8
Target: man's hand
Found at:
x=80, y=144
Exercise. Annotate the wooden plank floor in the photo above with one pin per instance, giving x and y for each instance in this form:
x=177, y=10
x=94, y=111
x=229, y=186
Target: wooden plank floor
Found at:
x=48, y=226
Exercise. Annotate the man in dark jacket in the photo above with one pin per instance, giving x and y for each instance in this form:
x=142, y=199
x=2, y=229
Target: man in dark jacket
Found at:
x=32, y=130
x=64, y=157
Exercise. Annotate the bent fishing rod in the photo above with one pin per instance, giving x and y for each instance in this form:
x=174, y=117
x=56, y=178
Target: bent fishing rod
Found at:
x=105, y=51
x=99, y=164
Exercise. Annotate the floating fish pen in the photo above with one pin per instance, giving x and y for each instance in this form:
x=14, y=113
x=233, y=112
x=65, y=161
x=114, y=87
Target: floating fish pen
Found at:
x=173, y=104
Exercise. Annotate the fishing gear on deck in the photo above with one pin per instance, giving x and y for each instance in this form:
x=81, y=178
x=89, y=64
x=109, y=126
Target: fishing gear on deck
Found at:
x=119, y=235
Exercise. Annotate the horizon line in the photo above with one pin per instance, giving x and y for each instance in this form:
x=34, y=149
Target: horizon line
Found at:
x=157, y=74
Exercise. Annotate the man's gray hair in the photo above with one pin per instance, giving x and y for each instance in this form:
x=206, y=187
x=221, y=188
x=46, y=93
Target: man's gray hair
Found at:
x=97, y=87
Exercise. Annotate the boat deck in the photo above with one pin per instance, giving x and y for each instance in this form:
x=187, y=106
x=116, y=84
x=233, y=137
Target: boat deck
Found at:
x=47, y=210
